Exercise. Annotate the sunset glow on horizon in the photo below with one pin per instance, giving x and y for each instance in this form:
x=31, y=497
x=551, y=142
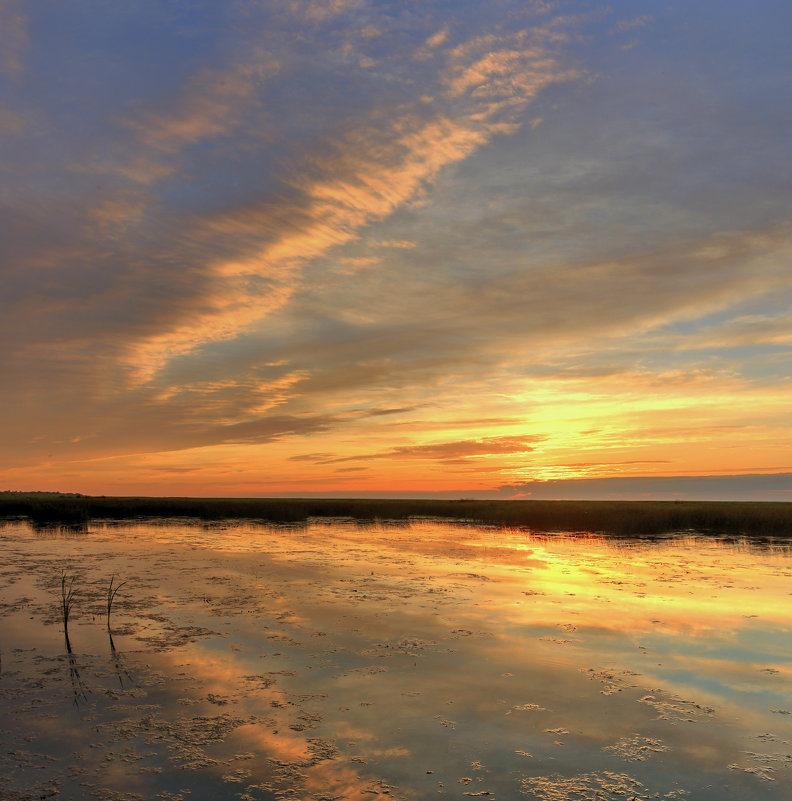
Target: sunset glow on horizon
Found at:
x=346, y=247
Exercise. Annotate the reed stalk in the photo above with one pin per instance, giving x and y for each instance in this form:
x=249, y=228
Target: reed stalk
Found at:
x=111, y=594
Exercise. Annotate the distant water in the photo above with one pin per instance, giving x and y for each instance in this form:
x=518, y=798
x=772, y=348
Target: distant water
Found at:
x=430, y=660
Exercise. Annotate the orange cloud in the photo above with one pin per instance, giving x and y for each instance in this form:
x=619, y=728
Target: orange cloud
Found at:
x=213, y=103
x=444, y=451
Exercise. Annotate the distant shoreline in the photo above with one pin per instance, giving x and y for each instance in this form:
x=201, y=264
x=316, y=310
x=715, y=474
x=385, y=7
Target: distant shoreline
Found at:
x=625, y=518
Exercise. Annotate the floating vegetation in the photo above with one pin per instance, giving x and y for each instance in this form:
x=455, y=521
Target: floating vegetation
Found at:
x=592, y=787
x=636, y=748
x=671, y=707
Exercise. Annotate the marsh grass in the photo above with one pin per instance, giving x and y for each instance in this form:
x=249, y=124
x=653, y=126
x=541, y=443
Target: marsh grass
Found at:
x=111, y=594
x=622, y=518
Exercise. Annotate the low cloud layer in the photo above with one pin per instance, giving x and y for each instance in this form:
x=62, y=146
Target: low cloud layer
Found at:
x=750, y=487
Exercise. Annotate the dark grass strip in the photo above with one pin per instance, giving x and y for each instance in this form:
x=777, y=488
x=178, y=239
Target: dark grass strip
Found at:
x=628, y=518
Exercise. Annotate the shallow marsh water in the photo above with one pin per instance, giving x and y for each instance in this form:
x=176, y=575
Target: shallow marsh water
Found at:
x=430, y=660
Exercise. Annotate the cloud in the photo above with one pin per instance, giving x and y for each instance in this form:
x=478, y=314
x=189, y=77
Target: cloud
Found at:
x=14, y=40
x=396, y=243
x=180, y=281
x=774, y=486
x=686, y=280
x=433, y=332
x=436, y=39
x=425, y=326
x=387, y=412
x=508, y=71
x=117, y=213
x=250, y=239
x=237, y=399
x=212, y=104
x=747, y=330
x=432, y=43
x=12, y=123
x=318, y=11
x=352, y=264
x=446, y=452
x=631, y=24
x=356, y=179
x=487, y=446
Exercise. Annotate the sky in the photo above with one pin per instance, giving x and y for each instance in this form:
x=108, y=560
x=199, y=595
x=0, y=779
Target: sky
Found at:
x=351, y=247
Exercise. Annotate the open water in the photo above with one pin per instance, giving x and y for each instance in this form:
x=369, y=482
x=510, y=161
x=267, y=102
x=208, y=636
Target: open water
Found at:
x=424, y=661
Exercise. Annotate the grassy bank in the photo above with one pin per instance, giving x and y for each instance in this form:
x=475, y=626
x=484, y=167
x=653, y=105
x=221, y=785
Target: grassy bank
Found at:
x=612, y=517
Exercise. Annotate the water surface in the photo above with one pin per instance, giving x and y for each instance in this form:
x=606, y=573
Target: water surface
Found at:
x=430, y=660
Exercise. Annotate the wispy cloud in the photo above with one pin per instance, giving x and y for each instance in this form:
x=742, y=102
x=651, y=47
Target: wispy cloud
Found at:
x=317, y=11
x=359, y=178
x=631, y=24
x=440, y=451
x=430, y=47
x=212, y=104
x=12, y=123
x=743, y=331
x=14, y=40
